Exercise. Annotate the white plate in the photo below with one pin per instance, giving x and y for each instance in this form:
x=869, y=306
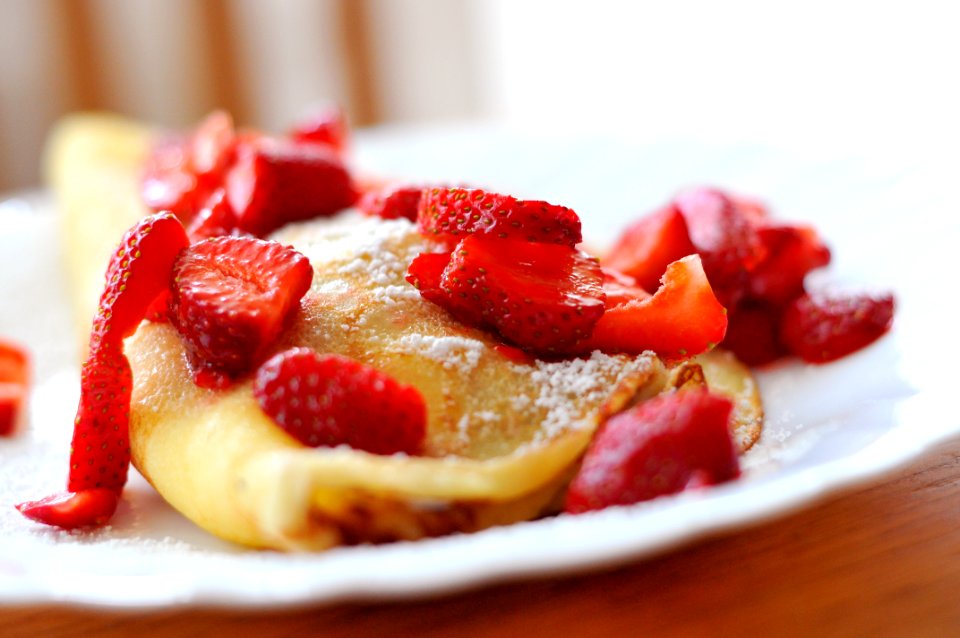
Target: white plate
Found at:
x=828, y=427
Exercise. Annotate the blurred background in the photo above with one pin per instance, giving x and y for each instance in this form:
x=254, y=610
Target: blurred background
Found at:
x=816, y=75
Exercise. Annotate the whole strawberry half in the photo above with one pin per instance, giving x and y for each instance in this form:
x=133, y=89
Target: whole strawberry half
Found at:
x=232, y=296
x=542, y=297
x=329, y=400
x=661, y=446
x=393, y=202
x=276, y=181
x=822, y=327
x=449, y=214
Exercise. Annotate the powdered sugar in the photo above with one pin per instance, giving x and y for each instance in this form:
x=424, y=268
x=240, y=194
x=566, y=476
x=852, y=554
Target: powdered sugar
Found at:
x=363, y=249
x=564, y=385
x=454, y=353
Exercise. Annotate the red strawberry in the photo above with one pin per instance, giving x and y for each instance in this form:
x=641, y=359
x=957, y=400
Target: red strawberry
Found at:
x=325, y=125
x=452, y=213
x=278, y=181
x=753, y=333
x=215, y=219
x=14, y=378
x=542, y=297
x=213, y=146
x=661, y=446
x=822, y=327
x=72, y=510
x=100, y=451
x=232, y=296
x=138, y=273
x=681, y=319
x=753, y=209
x=647, y=246
x=425, y=272
x=791, y=252
x=726, y=239
x=621, y=288
x=392, y=202
x=169, y=182
x=330, y=400
x=182, y=171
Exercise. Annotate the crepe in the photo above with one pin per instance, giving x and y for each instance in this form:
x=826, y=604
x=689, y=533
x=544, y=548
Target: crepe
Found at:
x=503, y=437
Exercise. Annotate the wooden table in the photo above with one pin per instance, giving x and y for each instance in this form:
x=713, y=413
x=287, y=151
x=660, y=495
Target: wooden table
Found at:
x=880, y=561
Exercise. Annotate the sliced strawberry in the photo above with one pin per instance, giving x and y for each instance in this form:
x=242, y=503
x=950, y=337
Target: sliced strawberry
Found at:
x=329, y=400
x=213, y=147
x=327, y=125
x=425, y=272
x=449, y=214
x=661, y=446
x=100, y=451
x=791, y=252
x=215, y=219
x=650, y=244
x=621, y=288
x=823, y=327
x=681, y=319
x=394, y=202
x=72, y=510
x=542, y=297
x=753, y=333
x=138, y=273
x=14, y=380
x=275, y=181
x=169, y=182
x=724, y=237
x=183, y=170
x=754, y=210
x=232, y=296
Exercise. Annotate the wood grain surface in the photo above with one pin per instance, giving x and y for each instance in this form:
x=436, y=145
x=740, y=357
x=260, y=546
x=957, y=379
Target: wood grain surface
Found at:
x=879, y=561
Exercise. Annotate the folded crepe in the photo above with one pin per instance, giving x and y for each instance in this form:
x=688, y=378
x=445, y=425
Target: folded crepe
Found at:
x=504, y=435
